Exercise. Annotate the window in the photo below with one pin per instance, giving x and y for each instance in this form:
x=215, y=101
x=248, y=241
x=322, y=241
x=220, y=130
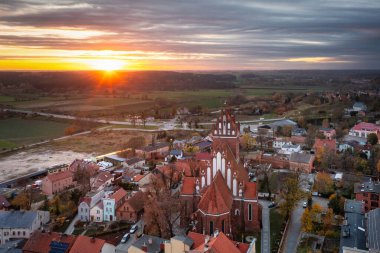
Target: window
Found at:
x=13, y=233
x=18, y=233
x=211, y=227
x=249, y=212
x=23, y=233
x=237, y=212
x=223, y=226
x=97, y=211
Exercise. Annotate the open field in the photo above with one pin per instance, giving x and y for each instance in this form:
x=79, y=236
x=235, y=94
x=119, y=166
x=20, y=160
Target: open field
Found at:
x=16, y=131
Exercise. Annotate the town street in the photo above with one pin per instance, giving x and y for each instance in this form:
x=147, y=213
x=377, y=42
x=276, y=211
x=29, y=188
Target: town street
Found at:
x=265, y=232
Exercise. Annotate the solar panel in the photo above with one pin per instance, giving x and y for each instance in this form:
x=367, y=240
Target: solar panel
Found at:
x=58, y=247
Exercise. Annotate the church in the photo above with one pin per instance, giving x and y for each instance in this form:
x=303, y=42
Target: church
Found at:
x=221, y=197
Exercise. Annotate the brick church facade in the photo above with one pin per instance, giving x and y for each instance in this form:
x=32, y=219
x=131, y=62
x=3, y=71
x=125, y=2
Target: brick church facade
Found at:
x=221, y=197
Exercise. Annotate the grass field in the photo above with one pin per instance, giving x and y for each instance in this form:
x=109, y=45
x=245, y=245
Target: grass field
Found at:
x=16, y=131
x=276, y=220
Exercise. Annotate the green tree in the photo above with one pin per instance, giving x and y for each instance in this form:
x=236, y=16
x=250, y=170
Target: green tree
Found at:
x=336, y=203
x=324, y=184
x=290, y=194
x=372, y=139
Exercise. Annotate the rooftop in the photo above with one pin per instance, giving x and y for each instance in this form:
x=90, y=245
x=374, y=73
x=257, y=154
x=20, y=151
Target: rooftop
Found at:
x=368, y=186
x=87, y=244
x=41, y=241
x=59, y=175
x=300, y=157
x=17, y=219
x=151, y=148
x=152, y=243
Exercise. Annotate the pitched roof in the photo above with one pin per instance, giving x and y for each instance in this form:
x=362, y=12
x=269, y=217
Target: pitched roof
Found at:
x=188, y=186
x=152, y=243
x=118, y=195
x=250, y=190
x=300, y=157
x=204, y=156
x=87, y=244
x=217, y=244
x=41, y=241
x=151, y=148
x=218, y=198
x=374, y=229
x=53, y=177
x=136, y=201
x=17, y=219
x=325, y=143
x=102, y=177
x=91, y=167
x=364, y=126
x=134, y=160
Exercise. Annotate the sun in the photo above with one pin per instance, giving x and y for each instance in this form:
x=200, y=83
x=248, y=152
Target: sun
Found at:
x=107, y=64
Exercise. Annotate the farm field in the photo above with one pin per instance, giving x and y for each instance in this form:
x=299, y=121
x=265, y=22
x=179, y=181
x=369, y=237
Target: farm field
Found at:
x=17, y=131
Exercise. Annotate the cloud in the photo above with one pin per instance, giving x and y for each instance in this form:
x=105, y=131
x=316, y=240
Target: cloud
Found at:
x=214, y=34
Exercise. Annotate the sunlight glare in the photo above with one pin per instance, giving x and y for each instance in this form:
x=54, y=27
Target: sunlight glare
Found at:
x=107, y=65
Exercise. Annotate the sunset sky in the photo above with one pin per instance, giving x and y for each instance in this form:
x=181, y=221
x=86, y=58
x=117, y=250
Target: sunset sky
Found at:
x=189, y=34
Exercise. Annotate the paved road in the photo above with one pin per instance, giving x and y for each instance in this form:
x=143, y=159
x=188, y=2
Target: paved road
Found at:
x=70, y=229
x=294, y=228
x=265, y=232
x=123, y=247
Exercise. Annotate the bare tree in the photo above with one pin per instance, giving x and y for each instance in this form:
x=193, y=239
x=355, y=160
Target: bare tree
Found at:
x=265, y=170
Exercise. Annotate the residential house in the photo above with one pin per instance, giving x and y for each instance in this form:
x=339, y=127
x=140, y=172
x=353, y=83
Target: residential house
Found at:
x=135, y=162
x=90, y=167
x=4, y=204
x=85, y=244
x=328, y=132
x=88, y=202
x=324, y=145
x=219, y=243
x=147, y=243
x=369, y=193
x=115, y=159
x=352, y=236
x=21, y=224
x=279, y=142
x=359, y=106
x=288, y=149
x=132, y=209
x=363, y=129
x=302, y=162
x=177, y=153
x=203, y=146
x=47, y=242
x=178, y=244
x=158, y=150
x=96, y=212
x=112, y=203
x=101, y=181
x=299, y=131
x=14, y=246
x=142, y=180
x=57, y=182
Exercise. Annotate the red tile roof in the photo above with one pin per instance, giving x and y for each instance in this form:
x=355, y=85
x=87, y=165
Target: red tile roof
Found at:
x=85, y=244
x=40, y=241
x=53, y=177
x=118, y=195
x=366, y=126
x=250, y=190
x=325, y=143
x=102, y=177
x=91, y=167
x=188, y=186
x=219, y=244
x=138, y=177
x=204, y=156
x=218, y=198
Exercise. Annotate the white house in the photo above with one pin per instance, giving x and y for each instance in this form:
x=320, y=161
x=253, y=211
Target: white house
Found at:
x=96, y=213
x=287, y=149
x=363, y=129
x=21, y=224
x=279, y=142
x=88, y=202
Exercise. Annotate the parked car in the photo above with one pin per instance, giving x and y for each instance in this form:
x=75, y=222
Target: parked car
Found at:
x=133, y=229
x=272, y=204
x=304, y=205
x=314, y=194
x=125, y=238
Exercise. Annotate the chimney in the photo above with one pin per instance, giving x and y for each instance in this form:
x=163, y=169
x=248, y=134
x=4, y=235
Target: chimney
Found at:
x=144, y=248
x=150, y=241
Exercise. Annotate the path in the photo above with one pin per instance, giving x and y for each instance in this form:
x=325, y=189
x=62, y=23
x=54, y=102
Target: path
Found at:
x=70, y=229
x=265, y=232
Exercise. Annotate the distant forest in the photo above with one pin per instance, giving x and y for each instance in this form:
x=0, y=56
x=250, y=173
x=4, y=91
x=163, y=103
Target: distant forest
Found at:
x=169, y=80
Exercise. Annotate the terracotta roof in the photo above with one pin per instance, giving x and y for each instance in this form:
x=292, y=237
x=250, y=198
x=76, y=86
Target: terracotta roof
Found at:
x=325, y=143
x=366, y=126
x=138, y=177
x=204, y=156
x=300, y=157
x=198, y=239
x=118, y=195
x=102, y=177
x=60, y=175
x=188, y=186
x=218, y=198
x=136, y=201
x=250, y=190
x=85, y=244
x=217, y=244
x=91, y=167
x=40, y=241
